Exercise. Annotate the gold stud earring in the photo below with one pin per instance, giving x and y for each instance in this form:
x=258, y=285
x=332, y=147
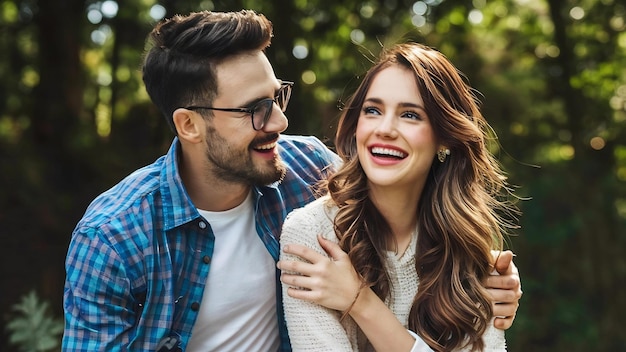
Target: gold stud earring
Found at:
x=442, y=153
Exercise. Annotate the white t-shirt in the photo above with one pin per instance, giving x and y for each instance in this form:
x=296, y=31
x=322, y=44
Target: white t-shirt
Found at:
x=238, y=309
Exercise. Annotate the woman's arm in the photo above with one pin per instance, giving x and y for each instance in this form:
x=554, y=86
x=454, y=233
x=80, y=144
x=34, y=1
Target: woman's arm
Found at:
x=331, y=281
x=381, y=326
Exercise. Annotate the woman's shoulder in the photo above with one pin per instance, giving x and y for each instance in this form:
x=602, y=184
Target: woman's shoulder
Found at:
x=303, y=225
x=320, y=209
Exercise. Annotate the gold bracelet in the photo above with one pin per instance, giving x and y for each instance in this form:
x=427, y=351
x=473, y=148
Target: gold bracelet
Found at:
x=347, y=311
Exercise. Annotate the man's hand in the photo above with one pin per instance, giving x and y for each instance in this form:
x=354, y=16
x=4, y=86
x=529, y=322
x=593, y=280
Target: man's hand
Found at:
x=505, y=288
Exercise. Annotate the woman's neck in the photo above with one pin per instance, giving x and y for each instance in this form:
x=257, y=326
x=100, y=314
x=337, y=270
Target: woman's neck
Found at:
x=400, y=211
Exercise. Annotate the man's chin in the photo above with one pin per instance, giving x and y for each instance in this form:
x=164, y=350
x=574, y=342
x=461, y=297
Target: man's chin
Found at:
x=267, y=179
x=270, y=173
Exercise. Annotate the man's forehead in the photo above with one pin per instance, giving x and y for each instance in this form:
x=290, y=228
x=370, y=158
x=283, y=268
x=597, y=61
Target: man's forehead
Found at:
x=245, y=73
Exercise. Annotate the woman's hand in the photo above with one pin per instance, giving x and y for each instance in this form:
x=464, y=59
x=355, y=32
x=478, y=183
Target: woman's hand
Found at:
x=330, y=281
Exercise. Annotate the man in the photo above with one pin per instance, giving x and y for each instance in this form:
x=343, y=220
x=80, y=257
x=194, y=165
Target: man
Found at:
x=181, y=254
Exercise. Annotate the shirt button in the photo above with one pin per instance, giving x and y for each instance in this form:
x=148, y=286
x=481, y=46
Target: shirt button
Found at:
x=206, y=259
x=195, y=306
x=202, y=225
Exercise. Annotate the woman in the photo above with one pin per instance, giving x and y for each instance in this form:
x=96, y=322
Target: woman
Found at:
x=419, y=195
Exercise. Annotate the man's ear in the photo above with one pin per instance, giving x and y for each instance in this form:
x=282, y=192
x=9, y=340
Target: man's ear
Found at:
x=189, y=125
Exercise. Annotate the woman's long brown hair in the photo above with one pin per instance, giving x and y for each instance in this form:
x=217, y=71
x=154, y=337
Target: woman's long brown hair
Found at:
x=463, y=211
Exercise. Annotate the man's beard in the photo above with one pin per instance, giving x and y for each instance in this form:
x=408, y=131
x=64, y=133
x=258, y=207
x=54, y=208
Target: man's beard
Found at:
x=236, y=166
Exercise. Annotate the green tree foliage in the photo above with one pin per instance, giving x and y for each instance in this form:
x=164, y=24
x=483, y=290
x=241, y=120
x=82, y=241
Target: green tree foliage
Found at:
x=552, y=74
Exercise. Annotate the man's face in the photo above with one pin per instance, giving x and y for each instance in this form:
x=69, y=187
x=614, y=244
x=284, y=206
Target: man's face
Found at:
x=235, y=151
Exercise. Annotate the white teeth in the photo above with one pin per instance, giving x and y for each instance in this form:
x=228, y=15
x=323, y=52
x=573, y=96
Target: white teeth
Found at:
x=266, y=146
x=387, y=151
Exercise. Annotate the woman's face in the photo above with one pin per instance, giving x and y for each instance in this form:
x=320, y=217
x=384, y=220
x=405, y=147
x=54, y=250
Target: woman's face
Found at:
x=395, y=141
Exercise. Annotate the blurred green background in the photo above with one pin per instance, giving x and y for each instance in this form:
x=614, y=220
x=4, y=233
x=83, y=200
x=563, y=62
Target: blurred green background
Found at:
x=75, y=119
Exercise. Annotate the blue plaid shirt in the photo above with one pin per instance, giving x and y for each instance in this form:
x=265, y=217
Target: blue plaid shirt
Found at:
x=139, y=258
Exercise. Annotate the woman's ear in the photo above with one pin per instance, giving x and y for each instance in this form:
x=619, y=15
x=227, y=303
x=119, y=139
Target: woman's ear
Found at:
x=189, y=125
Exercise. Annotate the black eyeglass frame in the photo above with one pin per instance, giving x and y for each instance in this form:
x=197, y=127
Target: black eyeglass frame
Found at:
x=281, y=99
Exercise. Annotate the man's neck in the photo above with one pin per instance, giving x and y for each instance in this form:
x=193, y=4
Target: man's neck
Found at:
x=219, y=196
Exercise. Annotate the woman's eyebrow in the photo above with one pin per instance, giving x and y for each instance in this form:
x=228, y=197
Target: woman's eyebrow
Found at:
x=403, y=104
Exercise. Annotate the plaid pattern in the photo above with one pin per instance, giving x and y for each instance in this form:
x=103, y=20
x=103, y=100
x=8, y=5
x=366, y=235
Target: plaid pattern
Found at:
x=138, y=260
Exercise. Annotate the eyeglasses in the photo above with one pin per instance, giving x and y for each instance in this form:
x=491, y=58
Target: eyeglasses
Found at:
x=261, y=111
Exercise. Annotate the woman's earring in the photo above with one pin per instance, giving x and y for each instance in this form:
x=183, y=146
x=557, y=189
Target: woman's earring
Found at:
x=442, y=153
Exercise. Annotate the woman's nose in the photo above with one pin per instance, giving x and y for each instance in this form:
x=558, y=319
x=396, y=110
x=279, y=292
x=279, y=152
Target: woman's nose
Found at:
x=387, y=127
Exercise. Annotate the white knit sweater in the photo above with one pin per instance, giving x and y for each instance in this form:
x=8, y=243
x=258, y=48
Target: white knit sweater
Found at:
x=316, y=328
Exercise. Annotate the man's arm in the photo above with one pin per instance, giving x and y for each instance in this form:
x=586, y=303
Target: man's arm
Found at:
x=95, y=296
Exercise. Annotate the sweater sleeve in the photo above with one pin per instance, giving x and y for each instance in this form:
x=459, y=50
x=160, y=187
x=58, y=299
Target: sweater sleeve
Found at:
x=494, y=339
x=312, y=327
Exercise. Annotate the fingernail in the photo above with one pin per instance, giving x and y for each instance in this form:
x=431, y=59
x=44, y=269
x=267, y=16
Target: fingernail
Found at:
x=285, y=248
